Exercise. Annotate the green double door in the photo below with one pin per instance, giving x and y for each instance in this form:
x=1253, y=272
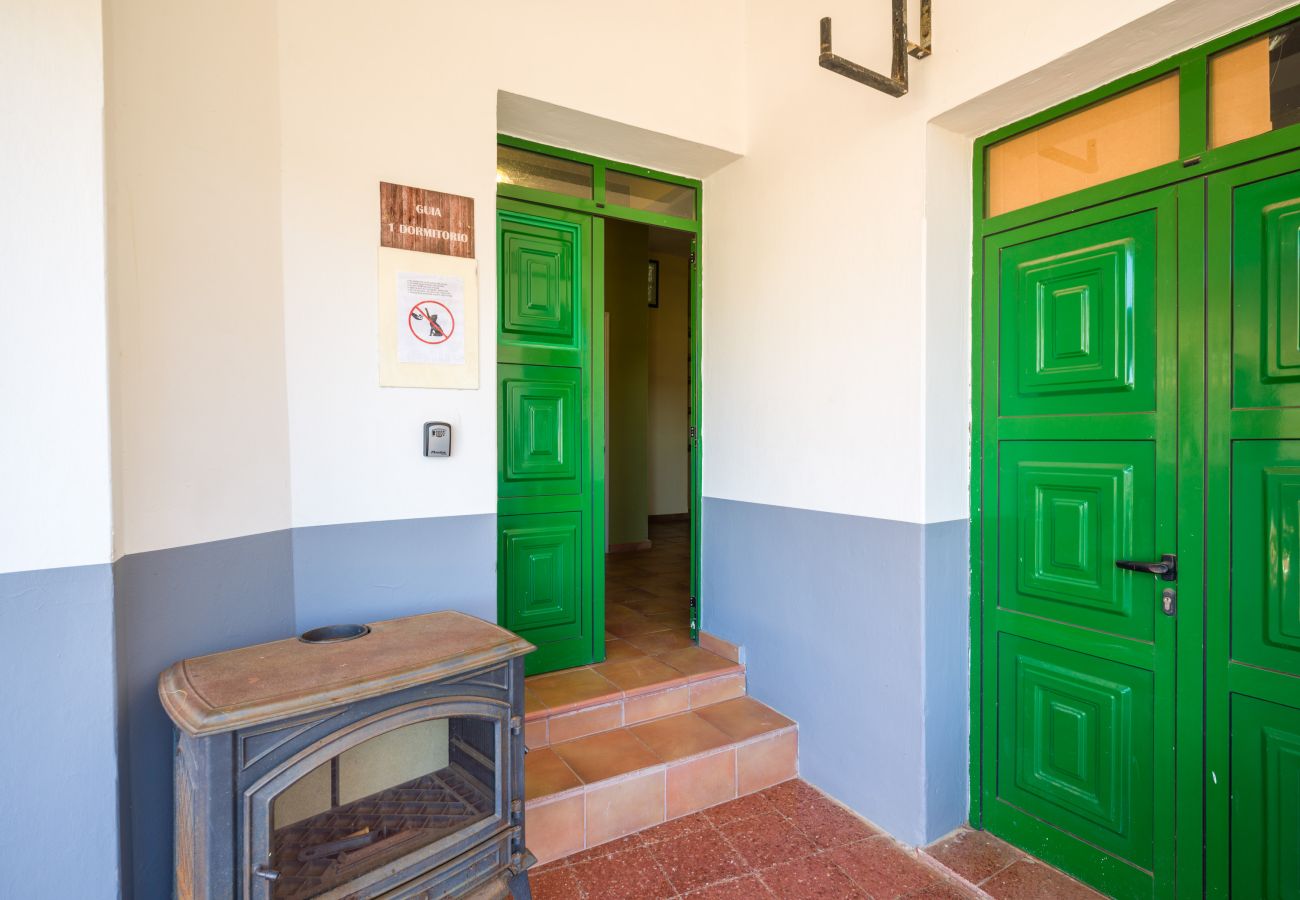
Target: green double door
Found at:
x=550, y=482
x=1140, y=578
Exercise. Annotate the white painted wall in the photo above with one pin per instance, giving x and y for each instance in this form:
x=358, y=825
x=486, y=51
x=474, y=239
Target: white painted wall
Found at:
x=669, y=401
x=406, y=91
x=246, y=143
x=201, y=433
x=55, y=492
x=837, y=253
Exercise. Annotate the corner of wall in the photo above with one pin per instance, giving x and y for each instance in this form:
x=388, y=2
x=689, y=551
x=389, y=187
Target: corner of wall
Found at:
x=946, y=720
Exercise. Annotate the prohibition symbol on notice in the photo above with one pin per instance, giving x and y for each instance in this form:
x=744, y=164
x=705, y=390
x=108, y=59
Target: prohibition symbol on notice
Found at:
x=431, y=322
x=429, y=306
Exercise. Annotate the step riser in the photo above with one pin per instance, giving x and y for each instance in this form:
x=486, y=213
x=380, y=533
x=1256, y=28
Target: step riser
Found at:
x=603, y=811
x=630, y=709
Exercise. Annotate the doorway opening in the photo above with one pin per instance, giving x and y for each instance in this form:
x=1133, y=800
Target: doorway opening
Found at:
x=598, y=389
x=648, y=607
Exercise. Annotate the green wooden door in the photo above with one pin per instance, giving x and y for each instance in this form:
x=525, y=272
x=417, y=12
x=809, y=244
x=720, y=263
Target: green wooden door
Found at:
x=550, y=576
x=1252, y=782
x=1080, y=457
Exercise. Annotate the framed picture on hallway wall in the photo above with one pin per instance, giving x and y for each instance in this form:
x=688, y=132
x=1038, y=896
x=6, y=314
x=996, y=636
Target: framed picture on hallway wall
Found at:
x=652, y=284
x=428, y=320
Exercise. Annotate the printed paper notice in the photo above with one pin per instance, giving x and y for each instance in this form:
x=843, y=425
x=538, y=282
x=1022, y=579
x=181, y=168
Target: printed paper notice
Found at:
x=430, y=319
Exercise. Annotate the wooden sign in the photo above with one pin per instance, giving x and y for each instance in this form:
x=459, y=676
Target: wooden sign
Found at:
x=429, y=221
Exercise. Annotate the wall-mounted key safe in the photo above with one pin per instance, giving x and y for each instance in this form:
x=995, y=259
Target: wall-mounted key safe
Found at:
x=437, y=439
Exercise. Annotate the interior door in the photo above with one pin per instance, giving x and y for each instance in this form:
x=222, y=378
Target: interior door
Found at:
x=1253, y=634
x=550, y=508
x=1080, y=457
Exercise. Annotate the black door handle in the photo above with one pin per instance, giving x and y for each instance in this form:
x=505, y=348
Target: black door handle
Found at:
x=1167, y=568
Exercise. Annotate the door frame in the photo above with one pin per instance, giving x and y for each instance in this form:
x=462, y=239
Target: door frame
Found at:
x=599, y=210
x=1197, y=837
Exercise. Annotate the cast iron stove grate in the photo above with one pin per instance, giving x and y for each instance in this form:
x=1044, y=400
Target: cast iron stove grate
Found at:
x=331, y=848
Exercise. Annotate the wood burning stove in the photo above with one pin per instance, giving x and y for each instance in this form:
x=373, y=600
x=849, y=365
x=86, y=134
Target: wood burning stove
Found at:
x=380, y=761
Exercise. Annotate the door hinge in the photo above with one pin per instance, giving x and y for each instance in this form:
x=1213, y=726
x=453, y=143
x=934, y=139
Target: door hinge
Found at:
x=693, y=434
x=692, y=257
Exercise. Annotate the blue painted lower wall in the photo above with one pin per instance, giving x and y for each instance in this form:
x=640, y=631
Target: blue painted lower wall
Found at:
x=58, y=778
x=173, y=604
x=832, y=610
x=857, y=629
x=188, y=601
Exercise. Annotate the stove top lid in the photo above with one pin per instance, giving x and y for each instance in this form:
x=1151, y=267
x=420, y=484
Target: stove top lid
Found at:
x=267, y=682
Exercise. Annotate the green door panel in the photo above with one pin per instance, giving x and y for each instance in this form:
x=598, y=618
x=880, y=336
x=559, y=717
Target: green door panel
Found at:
x=1079, y=455
x=540, y=409
x=1266, y=555
x=1265, y=799
x=1077, y=335
x=542, y=266
x=1075, y=746
x=1069, y=510
x=1266, y=293
x=541, y=563
x=1252, y=658
x=550, y=568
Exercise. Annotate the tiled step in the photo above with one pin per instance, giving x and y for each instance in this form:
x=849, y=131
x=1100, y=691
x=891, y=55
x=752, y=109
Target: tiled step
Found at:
x=582, y=793
x=631, y=687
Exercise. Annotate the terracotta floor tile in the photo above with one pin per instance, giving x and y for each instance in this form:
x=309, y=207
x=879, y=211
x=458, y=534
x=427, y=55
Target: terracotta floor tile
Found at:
x=623, y=807
x=672, y=618
x=618, y=845
x=694, y=661
x=811, y=878
x=680, y=736
x=717, y=690
x=627, y=595
x=766, y=761
x=882, y=868
x=743, y=718
x=660, y=642
x=750, y=887
x=740, y=808
x=1030, y=880
x=633, y=626
x=974, y=855
x=605, y=755
x=583, y=721
x=676, y=828
x=697, y=860
x=723, y=648
x=554, y=884
x=659, y=605
x=702, y=782
x=945, y=890
x=564, y=690
x=766, y=840
x=536, y=733
x=641, y=674
x=633, y=875
x=790, y=795
x=828, y=824
x=656, y=705
x=618, y=650
x=546, y=774
x=532, y=704
x=555, y=829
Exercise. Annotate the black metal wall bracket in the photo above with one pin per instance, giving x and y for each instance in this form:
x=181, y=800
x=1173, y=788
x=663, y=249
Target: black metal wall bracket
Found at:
x=895, y=85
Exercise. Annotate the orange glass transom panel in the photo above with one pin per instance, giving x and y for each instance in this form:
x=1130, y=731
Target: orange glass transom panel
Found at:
x=1255, y=86
x=1129, y=133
